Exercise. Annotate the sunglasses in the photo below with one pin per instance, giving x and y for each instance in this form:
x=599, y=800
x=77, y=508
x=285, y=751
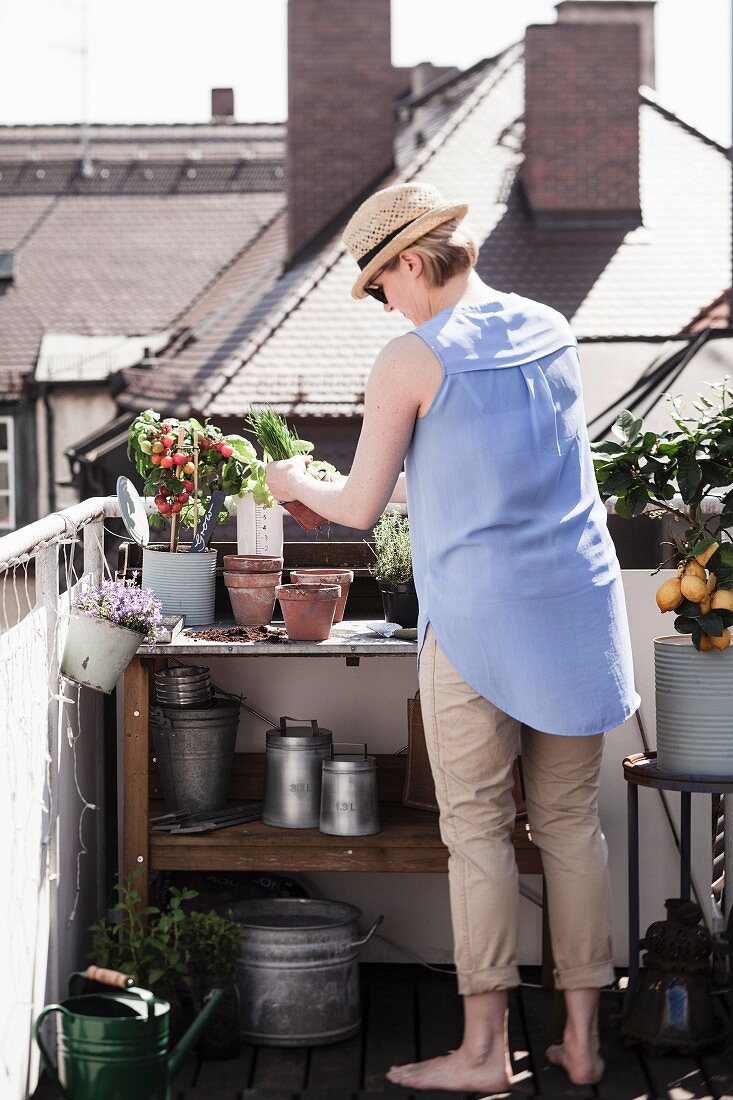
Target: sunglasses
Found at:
x=377, y=293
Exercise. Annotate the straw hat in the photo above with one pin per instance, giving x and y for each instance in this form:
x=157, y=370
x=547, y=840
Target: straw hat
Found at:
x=389, y=221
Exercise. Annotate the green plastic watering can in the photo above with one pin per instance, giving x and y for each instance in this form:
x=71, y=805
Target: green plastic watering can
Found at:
x=114, y=1045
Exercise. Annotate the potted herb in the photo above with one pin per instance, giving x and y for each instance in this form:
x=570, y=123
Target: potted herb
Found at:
x=671, y=474
x=108, y=623
x=279, y=441
x=211, y=942
x=147, y=944
x=188, y=467
x=393, y=569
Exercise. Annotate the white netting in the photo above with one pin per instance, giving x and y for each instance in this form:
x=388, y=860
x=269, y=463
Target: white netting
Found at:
x=47, y=763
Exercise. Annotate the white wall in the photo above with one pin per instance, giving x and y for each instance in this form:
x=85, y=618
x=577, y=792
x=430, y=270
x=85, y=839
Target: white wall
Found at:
x=76, y=413
x=368, y=703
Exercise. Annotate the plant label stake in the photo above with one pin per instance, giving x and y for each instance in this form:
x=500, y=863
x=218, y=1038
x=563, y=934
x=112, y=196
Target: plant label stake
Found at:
x=208, y=523
x=179, y=475
x=195, y=483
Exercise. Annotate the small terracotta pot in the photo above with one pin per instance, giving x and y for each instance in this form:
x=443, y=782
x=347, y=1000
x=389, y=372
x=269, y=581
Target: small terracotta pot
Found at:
x=252, y=580
x=304, y=516
x=252, y=563
x=343, y=577
x=252, y=596
x=308, y=610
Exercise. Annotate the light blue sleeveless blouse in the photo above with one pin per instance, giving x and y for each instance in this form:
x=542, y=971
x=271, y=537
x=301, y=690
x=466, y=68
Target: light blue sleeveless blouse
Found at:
x=513, y=562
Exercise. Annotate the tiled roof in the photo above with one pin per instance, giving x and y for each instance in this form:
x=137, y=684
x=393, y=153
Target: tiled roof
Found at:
x=313, y=357
x=127, y=264
x=214, y=327
x=175, y=141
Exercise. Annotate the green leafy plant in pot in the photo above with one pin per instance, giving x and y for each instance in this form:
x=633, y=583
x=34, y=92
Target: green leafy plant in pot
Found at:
x=650, y=472
x=180, y=955
x=188, y=468
x=211, y=941
x=278, y=442
x=393, y=569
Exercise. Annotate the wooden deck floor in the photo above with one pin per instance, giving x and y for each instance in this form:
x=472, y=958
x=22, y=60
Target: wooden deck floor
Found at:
x=412, y=1013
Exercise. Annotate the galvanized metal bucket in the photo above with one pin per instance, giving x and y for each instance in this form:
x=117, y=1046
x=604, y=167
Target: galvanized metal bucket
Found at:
x=184, y=582
x=194, y=751
x=293, y=759
x=349, y=805
x=298, y=971
x=97, y=652
x=694, y=708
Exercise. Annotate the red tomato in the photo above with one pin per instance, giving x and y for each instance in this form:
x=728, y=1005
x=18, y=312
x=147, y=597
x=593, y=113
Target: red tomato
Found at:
x=155, y=459
x=167, y=461
x=167, y=441
x=176, y=506
x=164, y=508
x=180, y=458
x=226, y=451
x=183, y=498
x=187, y=485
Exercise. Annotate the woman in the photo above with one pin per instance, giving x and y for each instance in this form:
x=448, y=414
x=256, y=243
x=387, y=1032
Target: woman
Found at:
x=523, y=637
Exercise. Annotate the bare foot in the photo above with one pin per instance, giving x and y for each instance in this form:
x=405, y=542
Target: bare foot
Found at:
x=583, y=1065
x=455, y=1072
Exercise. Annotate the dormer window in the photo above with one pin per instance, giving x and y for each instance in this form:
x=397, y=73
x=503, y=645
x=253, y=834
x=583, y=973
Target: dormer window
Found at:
x=7, y=267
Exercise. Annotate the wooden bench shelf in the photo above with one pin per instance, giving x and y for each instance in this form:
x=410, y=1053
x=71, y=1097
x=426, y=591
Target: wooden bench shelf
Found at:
x=409, y=841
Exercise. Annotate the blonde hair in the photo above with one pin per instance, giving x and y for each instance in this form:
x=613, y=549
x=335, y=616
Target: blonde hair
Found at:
x=445, y=251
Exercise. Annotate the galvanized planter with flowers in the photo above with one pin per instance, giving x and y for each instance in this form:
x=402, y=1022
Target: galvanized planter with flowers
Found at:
x=108, y=623
x=645, y=472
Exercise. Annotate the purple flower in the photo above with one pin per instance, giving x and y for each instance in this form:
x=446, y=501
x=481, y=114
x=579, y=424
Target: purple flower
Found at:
x=123, y=603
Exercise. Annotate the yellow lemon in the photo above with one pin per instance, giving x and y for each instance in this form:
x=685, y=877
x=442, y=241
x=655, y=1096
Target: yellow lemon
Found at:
x=669, y=595
x=712, y=581
x=723, y=641
x=723, y=598
x=694, y=569
x=706, y=643
x=706, y=555
x=693, y=589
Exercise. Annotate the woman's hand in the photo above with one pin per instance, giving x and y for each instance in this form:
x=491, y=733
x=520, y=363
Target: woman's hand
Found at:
x=284, y=477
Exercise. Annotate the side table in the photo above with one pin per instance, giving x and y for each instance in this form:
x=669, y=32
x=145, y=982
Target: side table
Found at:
x=641, y=770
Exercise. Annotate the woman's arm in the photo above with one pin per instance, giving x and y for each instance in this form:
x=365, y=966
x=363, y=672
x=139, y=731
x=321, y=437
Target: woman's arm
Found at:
x=399, y=493
x=391, y=403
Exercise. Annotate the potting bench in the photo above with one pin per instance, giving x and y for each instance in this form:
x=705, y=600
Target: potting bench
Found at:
x=409, y=840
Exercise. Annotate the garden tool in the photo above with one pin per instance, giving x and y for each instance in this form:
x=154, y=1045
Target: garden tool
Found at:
x=113, y=1045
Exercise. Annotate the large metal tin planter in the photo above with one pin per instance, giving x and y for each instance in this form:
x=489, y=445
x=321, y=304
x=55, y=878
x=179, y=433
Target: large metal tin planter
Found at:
x=694, y=693
x=184, y=582
x=97, y=652
x=298, y=970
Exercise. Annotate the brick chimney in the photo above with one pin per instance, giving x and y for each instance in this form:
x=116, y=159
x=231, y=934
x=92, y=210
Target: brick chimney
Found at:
x=222, y=105
x=341, y=118
x=640, y=12
x=582, y=122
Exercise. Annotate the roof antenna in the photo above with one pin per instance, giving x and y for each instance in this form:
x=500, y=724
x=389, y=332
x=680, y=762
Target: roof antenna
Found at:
x=87, y=168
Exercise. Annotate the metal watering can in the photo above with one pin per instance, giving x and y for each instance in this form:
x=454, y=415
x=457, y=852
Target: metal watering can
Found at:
x=114, y=1046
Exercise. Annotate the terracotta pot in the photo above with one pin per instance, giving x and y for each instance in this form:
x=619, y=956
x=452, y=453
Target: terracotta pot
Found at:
x=308, y=610
x=252, y=563
x=252, y=580
x=305, y=517
x=252, y=596
x=343, y=577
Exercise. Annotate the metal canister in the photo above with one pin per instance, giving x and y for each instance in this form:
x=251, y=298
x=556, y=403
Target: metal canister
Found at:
x=294, y=757
x=349, y=805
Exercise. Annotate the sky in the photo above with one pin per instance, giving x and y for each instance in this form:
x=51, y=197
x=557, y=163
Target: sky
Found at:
x=156, y=60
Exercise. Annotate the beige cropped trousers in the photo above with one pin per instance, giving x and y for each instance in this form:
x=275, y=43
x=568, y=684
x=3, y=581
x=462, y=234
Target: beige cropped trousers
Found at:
x=472, y=746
